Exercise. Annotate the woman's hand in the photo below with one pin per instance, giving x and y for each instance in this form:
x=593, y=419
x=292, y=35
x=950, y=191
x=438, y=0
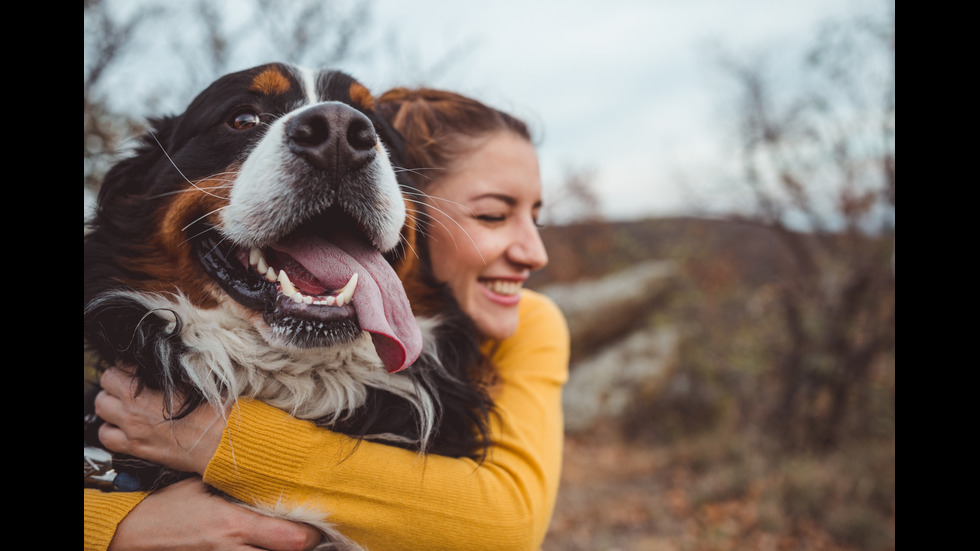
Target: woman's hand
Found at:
x=138, y=426
x=186, y=516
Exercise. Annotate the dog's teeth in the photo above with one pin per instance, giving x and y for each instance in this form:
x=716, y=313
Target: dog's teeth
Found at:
x=344, y=296
x=270, y=275
x=254, y=255
x=287, y=286
x=347, y=292
x=262, y=266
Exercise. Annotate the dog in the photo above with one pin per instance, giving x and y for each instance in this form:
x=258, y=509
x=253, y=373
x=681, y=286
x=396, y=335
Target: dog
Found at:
x=260, y=245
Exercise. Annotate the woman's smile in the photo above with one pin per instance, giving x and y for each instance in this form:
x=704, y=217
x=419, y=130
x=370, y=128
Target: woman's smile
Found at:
x=505, y=292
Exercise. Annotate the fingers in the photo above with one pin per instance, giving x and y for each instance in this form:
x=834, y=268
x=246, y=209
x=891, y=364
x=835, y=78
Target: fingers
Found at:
x=281, y=535
x=117, y=382
x=185, y=515
x=141, y=425
x=113, y=412
x=108, y=407
x=247, y=527
x=114, y=439
x=121, y=384
x=112, y=406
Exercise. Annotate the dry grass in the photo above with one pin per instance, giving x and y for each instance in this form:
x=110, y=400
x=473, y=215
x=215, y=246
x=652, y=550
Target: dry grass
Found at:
x=721, y=491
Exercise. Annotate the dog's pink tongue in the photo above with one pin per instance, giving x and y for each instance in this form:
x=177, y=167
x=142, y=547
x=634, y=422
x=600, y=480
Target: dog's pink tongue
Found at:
x=379, y=300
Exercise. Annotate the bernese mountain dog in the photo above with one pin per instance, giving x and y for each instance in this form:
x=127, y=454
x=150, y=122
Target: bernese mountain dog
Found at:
x=258, y=245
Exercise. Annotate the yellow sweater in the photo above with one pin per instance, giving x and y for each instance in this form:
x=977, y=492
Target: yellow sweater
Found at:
x=389, y=498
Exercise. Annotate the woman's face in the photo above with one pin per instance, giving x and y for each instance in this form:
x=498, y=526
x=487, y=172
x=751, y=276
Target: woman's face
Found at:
x=483, y=237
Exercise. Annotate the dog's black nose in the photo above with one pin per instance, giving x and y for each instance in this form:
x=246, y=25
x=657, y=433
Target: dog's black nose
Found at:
x=332, y=136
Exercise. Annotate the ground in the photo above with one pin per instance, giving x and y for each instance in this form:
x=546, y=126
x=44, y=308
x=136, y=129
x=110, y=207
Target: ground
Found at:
x=633, y=496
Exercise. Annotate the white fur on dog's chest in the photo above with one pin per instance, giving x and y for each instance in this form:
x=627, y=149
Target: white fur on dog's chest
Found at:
x=226, y=357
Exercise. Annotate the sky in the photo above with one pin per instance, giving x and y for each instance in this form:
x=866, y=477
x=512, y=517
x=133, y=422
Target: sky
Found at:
x=625, y=90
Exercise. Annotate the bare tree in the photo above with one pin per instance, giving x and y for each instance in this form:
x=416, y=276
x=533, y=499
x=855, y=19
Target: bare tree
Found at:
x=820, y=170
x=108, y=37
x=575, y=200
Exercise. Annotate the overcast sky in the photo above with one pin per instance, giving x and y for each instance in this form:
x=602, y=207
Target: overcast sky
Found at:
x=626, y=89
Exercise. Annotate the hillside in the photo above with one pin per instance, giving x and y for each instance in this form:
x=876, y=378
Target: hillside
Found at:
x=679, y=357
x=586, y=251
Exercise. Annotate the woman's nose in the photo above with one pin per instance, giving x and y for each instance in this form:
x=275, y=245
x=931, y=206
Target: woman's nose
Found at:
x=527, y=248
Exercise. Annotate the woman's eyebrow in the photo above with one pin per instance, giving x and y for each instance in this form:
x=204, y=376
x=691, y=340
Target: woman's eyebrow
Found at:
x=511, y=201
x=507, y=199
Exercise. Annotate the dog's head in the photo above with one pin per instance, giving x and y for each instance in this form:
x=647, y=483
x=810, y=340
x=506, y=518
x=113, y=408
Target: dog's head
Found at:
x=275, y=189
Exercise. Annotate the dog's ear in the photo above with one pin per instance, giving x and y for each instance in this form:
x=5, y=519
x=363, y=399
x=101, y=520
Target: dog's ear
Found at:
x=129, y=176
x=384, y=113
x=393, y=141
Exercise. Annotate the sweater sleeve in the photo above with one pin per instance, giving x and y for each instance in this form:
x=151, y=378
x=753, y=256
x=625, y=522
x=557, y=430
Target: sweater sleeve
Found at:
x=385, y=497
x=103, y=513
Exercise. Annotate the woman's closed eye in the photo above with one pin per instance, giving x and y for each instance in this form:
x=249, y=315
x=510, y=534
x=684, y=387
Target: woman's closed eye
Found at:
x=491, y=218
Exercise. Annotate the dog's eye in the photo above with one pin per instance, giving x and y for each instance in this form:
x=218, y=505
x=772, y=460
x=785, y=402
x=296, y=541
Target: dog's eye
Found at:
x=245, y=120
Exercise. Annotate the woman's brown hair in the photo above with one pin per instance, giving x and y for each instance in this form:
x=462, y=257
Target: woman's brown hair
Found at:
x=439, y=127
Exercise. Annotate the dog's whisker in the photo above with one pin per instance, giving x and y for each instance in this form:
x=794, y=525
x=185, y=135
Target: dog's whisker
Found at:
x=461, y=206
x=222, y=240
x=466, y=233
x=221, y=180
x=164, y=150
x=195, y=189
x=417, y=223
x=420, y=212
x=422, y=228
x=447, y=215
x=419, y=193
x=415, y=171
x=191, y=237
x=414, y=252
x=202, y=217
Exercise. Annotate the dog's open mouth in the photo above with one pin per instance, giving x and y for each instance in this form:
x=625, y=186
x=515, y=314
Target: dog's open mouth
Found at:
x=320, y=286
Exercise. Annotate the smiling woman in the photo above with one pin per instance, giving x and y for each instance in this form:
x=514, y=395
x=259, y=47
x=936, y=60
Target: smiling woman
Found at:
x=480, y=185
x=486, y=207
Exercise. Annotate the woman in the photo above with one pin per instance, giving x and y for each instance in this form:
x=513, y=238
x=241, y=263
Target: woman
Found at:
x=481, y=192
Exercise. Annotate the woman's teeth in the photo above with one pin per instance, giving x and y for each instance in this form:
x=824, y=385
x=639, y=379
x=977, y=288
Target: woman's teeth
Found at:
x=503, y=287
x=257, y=260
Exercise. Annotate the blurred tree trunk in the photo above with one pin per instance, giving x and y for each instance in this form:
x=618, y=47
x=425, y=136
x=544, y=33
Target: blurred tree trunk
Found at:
x=820, y=170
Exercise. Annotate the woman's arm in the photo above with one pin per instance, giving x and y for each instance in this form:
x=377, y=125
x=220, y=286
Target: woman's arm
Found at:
x=103, y=513
x=186, y=516
x=389, y=498
x=377, y=494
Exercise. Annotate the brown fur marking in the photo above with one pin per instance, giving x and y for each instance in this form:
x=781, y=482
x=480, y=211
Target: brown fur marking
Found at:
x=360, y=95
x=270, y=82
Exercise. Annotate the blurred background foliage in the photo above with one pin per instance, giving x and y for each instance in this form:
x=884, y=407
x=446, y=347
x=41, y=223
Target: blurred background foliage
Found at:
x=754, y=351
